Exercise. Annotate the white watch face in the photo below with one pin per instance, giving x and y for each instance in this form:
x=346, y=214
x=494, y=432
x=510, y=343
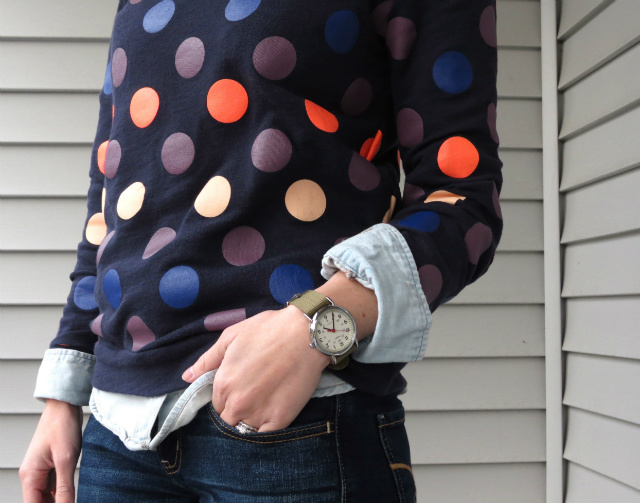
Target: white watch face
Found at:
x=334, y=330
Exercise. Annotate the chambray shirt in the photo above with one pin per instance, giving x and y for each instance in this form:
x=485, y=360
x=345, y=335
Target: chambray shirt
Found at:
x=242, y=143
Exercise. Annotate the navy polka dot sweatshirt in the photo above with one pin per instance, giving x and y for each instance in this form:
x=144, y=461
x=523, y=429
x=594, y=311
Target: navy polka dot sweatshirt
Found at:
x=240, y=140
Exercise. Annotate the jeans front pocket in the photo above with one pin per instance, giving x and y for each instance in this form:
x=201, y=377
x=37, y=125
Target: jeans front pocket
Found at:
x=396, y=446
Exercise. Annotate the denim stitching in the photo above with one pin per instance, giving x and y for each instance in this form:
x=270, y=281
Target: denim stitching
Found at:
x=178, y=459
x=326, y=428
x=342, y=475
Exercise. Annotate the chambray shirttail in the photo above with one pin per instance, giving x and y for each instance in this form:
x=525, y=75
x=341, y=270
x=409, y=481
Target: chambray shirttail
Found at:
x=237, y=142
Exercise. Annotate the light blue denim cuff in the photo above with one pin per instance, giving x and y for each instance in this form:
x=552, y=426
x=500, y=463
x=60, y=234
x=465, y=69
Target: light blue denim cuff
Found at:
x=380, y=259
x=65, y=375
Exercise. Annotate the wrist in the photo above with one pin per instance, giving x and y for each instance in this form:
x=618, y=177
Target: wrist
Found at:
x=298, y=319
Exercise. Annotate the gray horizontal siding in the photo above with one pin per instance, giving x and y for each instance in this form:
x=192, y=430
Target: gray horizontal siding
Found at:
x=576, y=13
x=592, y=487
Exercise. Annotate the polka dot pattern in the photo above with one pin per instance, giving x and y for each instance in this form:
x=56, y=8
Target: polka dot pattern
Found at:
x=161, y=238
x=342, y=30
x=243, y=246
x=144, y=107
x=112, y=159
x=107, y=87
x=389, y=213
x=321, y=118
x=96, y=325
x=271, y=151
x=96, y=229
x=103, y=245
x=457, y=157
x=410, y=127
x=452, y=72
x=112, y=288
x=83, y=294
x=488, y=26
x=425, y=221
x=363, y=174
x=371, y=146
x=237, y=10
x=190, y=57
x=158, y=16
x=478, y=240
x=288, y=280
x=401, y=36
x=411, y=193
x=140, y=333
x=221, y=320
x=496, y=202
x=305, y=200
x=101, y=155
x=130, y=201
x=227, y=101
x=178, y=152
x=118, y=66
x=492, y=117
x=431, y=281
x=274, y=58
x=179, y=286
x=357, y=97
x=380, y=17
x=214, y=197
x=444, y=196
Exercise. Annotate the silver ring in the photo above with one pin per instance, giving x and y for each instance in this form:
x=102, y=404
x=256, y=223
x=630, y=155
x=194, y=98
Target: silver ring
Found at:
x=245, y=428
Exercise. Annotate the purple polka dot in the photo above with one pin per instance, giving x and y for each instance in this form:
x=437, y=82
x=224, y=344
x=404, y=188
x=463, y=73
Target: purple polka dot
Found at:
x=488, y=26
x=161, y=238
x=243, y=246
x=103, y=245
x=217, y=322
x=96, y=326
x=380, y=17
x=496, y=201
x=190, y=57
x=271, y=150
x=118, y=66
x=340, y=240
x=478, y=240
x=140, y=333
x=112, y=161
x=179, y=286
x=177, y=154
x=134, y=1
x=401, y=35
x=410, y=127
x=431, y=281
x=363, y=174
x=491, y=121
x=411, y=193
x=274, y=58
x=357, y=97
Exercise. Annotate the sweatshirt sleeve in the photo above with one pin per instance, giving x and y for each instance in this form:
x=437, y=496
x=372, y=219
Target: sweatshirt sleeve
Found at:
x=444, y=232
x=66, y=371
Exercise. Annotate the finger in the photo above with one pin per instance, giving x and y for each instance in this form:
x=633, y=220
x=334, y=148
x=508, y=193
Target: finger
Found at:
x=210, y=360
x=65, y=488
x=34, y=486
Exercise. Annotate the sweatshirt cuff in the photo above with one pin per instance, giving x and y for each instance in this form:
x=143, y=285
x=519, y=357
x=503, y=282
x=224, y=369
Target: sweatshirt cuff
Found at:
x=380, y=259
x=65, y=375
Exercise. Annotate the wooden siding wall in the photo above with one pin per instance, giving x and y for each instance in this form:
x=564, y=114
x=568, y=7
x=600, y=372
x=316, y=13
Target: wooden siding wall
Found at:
x=475, y=406
x=600, y=184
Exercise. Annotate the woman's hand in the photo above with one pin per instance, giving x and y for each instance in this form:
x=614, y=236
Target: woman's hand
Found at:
x=49, y=465
x=267, y=371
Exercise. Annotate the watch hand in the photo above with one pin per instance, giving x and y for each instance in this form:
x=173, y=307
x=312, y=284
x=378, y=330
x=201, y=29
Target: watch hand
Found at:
x=333, y=317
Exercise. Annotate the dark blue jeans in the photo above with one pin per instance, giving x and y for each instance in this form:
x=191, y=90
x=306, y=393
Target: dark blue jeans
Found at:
x=346, y=448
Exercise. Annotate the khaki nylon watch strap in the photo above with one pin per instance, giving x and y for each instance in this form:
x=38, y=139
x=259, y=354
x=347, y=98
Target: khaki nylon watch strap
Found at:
x=310, y=302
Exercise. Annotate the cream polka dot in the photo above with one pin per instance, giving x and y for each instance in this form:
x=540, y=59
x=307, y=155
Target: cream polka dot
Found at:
x=389, y=213
x=130, y=201
x=305, y=200
x=96, y=229
x=104, y=197
x=444, y=196
x=214, y=197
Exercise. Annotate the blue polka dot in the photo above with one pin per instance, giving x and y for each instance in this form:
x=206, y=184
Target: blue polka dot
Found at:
x=158, y=16
x=107, y=87
x=287, y=280
x=179, y=286
x=341, y=31
x=83, y=295
x=452, y=72
x=239, y=9
x=426, y=221
x=111, y=286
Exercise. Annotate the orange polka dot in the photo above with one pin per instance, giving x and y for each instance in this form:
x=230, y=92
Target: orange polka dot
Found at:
x=144, y=106
x=113, y=112
x=371, y=146
x=96, y=229
x=389, y=213
x=227, y=101
x=321, y=118
x=399, y=160
x=305, y=200
x=457, y=157
x=444, y=196
x=102, y=155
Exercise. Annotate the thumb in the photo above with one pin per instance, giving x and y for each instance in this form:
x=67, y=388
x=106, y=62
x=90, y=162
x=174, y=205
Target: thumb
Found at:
x=209, y=360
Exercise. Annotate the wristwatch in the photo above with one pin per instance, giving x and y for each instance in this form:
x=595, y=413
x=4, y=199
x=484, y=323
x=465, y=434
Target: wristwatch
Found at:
x=332, y=328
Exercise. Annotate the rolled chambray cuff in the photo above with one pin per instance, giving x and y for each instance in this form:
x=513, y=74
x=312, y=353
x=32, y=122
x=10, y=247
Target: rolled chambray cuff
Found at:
x=380, y=259
x=65, y=375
